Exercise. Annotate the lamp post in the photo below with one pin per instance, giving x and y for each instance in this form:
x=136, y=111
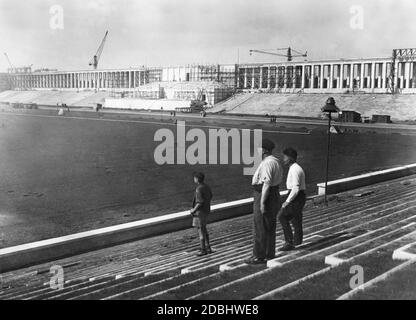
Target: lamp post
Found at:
x=329, y=108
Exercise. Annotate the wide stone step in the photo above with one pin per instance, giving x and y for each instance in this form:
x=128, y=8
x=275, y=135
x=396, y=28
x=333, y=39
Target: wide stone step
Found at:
x=278, y=282
x=333, y=281
x=142, y=291
x=347, y=231
x=397, y=283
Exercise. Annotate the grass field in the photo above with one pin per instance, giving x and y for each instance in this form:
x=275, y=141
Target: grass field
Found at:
x=61, y=175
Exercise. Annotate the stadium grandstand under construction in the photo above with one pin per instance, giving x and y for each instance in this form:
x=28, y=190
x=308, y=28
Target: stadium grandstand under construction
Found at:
x=376, y=75
x=369, y=86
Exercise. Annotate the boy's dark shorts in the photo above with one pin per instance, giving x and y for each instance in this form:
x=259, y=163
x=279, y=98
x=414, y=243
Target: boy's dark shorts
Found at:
x=199, y=221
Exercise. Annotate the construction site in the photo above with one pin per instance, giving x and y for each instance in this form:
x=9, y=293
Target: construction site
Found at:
x=288, y=88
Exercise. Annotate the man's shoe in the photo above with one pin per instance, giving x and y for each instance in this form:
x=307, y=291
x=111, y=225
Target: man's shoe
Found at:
x=202, y=253
x=270, y=258
x=209, y=251
x=254, y=260
x=287, y=247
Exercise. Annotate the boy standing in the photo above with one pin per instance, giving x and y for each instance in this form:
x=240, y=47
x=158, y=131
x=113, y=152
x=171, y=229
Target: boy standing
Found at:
x=201, y=207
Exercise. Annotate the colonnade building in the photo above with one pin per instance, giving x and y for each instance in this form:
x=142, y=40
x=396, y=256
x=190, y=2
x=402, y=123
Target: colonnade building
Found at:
x=342, y=75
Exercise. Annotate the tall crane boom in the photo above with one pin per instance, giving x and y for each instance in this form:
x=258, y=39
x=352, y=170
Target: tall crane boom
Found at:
x=96, y=58
x=9, y=62
x=289, y=53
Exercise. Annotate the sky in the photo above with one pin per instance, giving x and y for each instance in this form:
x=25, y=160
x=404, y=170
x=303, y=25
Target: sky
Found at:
x=181, y=32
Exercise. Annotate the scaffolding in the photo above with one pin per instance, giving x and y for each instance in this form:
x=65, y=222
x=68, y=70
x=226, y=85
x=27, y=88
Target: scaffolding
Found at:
x=398, y=55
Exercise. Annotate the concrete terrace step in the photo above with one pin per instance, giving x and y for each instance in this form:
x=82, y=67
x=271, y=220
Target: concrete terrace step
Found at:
x=400, y=107
x=396, y=283
x=345, y=232
x=95, y=271
x=155, y=287
x=168, y=291
x=246, y=247
x=332, y=282
x=288, y=258
x=276, y=282
x=125, y=254
x=349, y=228
x=407, y=252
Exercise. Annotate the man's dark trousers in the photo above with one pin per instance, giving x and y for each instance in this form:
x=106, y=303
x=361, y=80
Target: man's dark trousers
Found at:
x=265, y=224
x=293, y=212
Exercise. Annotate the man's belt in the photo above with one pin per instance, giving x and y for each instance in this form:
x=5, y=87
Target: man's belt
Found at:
x=259, y=187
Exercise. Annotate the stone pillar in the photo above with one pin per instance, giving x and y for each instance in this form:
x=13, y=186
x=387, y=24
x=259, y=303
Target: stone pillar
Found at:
x=261, y=78
x=312, y=77
x=341, y=76
x=384, y=75
x=331, y=76
x=302, y=85
x=351, y=76
x=362, y=66
x=409, y=75
x=321, y=76
x=373, y=75
x=397, y=74
x=268, y=76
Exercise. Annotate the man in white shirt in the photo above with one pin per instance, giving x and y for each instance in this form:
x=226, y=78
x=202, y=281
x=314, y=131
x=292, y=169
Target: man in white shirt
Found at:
x=265, y=182
x=292, y=208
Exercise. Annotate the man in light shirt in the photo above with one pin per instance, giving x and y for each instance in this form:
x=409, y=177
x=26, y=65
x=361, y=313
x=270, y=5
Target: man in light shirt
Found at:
x=292, y=208
x=266, y=181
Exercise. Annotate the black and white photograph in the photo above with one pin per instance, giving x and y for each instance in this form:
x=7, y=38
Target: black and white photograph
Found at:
x=224, y=152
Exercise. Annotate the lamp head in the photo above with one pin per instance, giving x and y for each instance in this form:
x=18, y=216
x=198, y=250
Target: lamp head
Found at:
x=330, y=106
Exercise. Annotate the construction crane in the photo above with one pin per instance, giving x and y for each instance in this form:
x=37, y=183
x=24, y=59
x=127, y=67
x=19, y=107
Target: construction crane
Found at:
x=96, y=58
x=289, y=53
x=12, y=68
